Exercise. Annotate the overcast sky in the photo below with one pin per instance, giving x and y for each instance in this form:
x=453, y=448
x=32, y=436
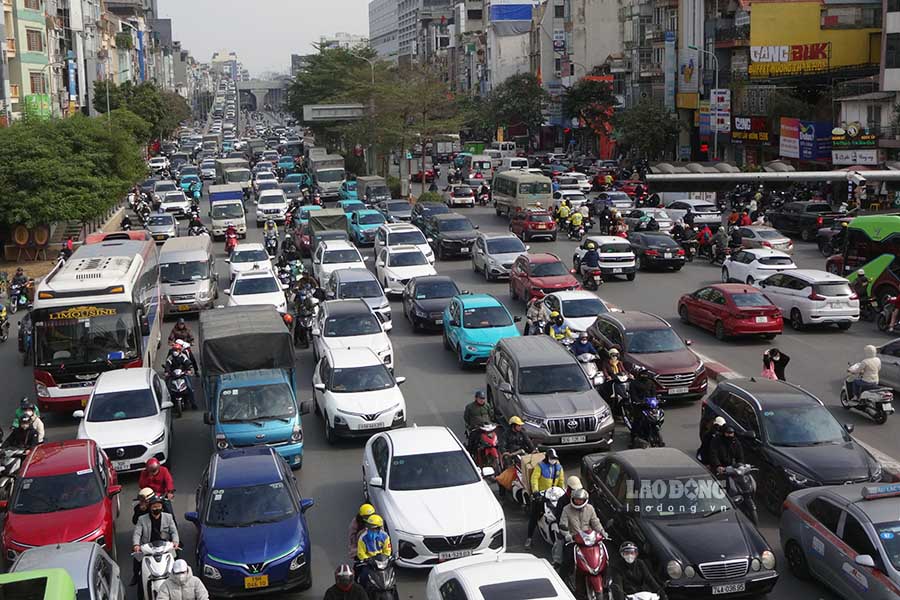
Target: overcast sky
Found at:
x=264, y=33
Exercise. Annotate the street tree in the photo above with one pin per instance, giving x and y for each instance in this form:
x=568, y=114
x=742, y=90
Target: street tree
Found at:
x=519, y=100
x=647, y=128
x=590, y=101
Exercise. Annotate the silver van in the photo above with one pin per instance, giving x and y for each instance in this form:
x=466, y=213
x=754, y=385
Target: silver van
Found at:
x=187, y=272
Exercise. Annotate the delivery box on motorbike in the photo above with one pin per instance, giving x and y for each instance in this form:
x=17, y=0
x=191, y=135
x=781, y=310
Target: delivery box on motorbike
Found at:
x=529, y=463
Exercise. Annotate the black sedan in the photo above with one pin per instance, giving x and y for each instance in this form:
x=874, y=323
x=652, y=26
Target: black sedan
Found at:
x=682, y=522
x=422, y=210
x=425, y=298
x=655, y=249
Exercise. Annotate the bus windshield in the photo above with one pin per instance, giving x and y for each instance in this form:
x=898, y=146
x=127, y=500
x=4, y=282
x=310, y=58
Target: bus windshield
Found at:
x=85, y=334
x=534, y=188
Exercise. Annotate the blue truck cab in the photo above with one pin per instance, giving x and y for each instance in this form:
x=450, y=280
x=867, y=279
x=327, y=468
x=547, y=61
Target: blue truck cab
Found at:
x=247, y=371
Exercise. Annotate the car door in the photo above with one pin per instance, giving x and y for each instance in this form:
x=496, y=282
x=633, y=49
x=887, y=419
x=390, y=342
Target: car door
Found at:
x=717, y=307
x=381, y=457
x=774, y=288
x=504, y=402
x=890, y=365
x=699, y=308
x=515, y=277
x=161, y=392
x=380, y=264
x=319, y=377
x=736, y=269
x=479, y=250
x=818, y=546
x=859, y=582
x=317, y=261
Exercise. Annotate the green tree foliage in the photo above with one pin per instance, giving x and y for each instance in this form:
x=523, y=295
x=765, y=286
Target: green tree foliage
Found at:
x=161, y=110
x=647, y=128
x=131, y=123
x=590, y=101
x=68, y=169
x=430, y=197
x=329, y=75
x=519, y=100
x=100, y=99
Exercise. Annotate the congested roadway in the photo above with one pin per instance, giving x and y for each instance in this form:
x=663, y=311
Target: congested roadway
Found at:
x=437, y=391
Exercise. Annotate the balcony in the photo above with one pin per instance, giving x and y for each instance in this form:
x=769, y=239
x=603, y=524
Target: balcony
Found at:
x=654, y=33
x=10, y=47
x=731, y=36
x=651, y=71
x=7, y=5
x=14, y=91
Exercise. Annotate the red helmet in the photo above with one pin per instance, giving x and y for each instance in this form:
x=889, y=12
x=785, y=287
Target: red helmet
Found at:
x=152, y=463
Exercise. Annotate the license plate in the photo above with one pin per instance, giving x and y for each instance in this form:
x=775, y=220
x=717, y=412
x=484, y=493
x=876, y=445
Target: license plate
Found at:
x=184, y=307
x=681, y=390
x=454, y=554
x=159, y=237
x=836, y=305
x=370, y=425
x=256, y=581
x=728, y=588
x=540, y=227
x=438, y=321
x=617, y=269
x=762, y=319
x=464, y=249
x=887, y=407
x=572, y=439
x=668, y=255
x=121, y=465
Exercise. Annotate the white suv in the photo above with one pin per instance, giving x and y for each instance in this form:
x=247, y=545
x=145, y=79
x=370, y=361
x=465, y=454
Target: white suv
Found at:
x=396, y=265
x=809, y=297
x=395, y=234
x=356, y=394
x=333, y=255
x=350, y=324
x=271, y=204
x=253, y=288
x=755, y=264
x=616, y=256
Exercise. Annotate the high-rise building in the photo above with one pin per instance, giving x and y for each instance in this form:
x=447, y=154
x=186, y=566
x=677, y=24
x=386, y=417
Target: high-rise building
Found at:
x=27, y=57
x=342, y=40
x=226, y=63
x=384, y=28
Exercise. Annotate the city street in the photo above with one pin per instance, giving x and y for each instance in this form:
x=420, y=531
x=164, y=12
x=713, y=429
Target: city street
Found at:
x=437, y=391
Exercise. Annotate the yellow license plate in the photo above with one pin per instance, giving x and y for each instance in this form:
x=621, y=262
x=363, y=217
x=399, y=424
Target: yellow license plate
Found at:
x=256, y=581
x=184, y=307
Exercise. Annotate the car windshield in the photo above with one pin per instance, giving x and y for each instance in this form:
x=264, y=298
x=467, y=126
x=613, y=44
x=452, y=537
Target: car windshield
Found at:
x=454, y=225
x=371, y=219
x=183, y=271
x=248, y=256
x=290, y=188
x=272, y=199
x=332, y=257
x=245, y=506
x=463, y=190
x=674, y=500
x=176, y=197
x=237, y=176
x=526, y=189
x=433, y=209
x=889, y=534
x=750, y=299
x=407, y=259
x=833, y=289
x=227, y=211
x=651, y=341
x=256, y=402
x=486, y=316
x=267, y=185
x=508, y=245
x=361, y=379
x=399, y=206
x=350, y=207
x=352, y=325
x=165, y=187
x=368, y=288
x=431, y=471
x=40, y=495
x=436, y=289
x=128, y=404
x=413, y=238
x=539, y=218
x=255, y=285
x=520, y=589
x=160, y=220
x=583, y=307
x=802, y=426
x=775, y=261
x=85, y=334
x=265, y=176
x=552, y=379
x=549, y=269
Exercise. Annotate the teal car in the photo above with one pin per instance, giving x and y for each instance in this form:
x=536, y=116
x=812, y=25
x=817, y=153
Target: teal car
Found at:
x=351, y=206
x=348, y=191
x=473, y=324
x=364, y=224
x=286, y=164
x=460, y=159
x=190, y=182
x=305, y=210
x=300, y=179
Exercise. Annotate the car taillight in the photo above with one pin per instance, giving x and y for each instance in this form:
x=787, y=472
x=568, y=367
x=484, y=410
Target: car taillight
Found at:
x=653, y=253
x=820, y=221
x=135, y=364
x=854, y=296
x=767, y=244
x=680, y=252
x=815, y=296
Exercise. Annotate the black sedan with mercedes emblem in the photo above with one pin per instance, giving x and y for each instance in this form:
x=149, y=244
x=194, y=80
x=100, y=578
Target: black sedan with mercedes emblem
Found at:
x=682, y=521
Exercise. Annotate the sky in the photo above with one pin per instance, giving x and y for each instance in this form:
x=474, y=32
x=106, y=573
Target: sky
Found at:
x=263, y=33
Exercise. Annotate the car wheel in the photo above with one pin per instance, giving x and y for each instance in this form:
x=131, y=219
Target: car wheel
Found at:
x=824, y=249
x=844, y=325
x=459, y=360
x=644, y=263
x=683, y=314
x=720, y=331
x=576, y=263
x=316, y=408
x=487, y=274
x=796, y=560
x=750, y=280
x=330, y=437
x=726, y=276
x=631, y=276
x=445, y=340
x=796, y=319
x=806, y=235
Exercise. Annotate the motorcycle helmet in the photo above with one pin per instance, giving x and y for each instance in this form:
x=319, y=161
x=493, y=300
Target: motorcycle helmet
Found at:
x=374, y=521
x=583, y=336
x=366, y=511
x=591, y=246
x=487, y=427
x=288, y=319
x=580, y=498
x=515, y=420
x=156, y=500
x=554, y=314
x=628, y=551
x=861, y=272
x=479, y=394
x=26, y=404
x=343, y=576
x=573, y=483
x=728, y=431
x=152, y=463
x=180, y=322
x=180, y=570
x=613, y=352
x=551, y=455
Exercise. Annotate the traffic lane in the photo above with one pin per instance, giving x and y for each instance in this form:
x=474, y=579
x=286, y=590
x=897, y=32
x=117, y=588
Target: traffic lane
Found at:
x=819, y=356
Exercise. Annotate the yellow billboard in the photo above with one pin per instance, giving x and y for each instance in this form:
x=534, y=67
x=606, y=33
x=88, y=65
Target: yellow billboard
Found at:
x=787, y=38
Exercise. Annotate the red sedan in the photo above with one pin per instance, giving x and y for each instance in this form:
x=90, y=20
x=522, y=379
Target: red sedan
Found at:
x=65, y=492
x=303, y=240
x=417, y=177
x=731, y=309
x=535, y=275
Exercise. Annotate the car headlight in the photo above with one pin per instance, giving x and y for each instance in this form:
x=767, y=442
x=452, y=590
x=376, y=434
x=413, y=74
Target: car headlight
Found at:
x=203, y=295
x=159, y=439
x=798, y=479
x=41, y=390
x=674, y=570
x=768, y=560
x=532, y=420
x=297, y=434
x=689, y=571
x=299, y=561
x=420, y=313
x=211, y=572
x=877, y=472
x=754, y=565
x=221, y=442
x=604, y=413
x=472, y=348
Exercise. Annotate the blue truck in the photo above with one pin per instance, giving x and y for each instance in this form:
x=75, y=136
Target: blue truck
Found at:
x=226, y=207
x=247, y=372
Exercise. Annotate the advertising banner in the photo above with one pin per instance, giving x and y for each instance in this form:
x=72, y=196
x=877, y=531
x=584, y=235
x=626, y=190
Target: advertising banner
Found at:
x=670, y=64
x=789, y=135
x=852, y=136
x=815, y=140
x=796, y=59
x=721, y=110
x=688, y=71
x=750, y=131
x=855, y=157
x=704, y=119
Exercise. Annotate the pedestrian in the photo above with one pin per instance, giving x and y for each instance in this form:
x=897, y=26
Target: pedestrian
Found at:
x=776, y=361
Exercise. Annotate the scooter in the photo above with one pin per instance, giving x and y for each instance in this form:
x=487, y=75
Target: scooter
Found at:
x=4, y=324
x=10, y=463
x=538, y=327
x=548, y=526
x=620, y=391
x=741, y=487
x=576, y=233
x=690, y=249
x=588, y=364
x=487, y=453
x=878, y=403
x=882, y=321
x=179, y=391
x=157, y=559
x=591, y=559
x=17, y=297
x=647, y=424
x=231, y=241
x=271, y=244
x=381, y=580
x=591, y=277
x=484, y=199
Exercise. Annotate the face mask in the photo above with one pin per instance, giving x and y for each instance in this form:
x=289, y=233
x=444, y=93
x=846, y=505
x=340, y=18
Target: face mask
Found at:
x=156, y=511
x=344, y=587
x=629, y=558
x=180, y=577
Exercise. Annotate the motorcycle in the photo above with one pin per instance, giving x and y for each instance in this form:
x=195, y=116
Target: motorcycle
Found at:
x=179, y=390
x=303, y=330
x=18, y=297
x=157, y=559
x=576, y=233
x=271, y=245
x=591, y=277
x=869, y=309
x=538, y=327
x=642, y=596
x=25, y=339
x=878, y=402
x=381, y=579
x=741, y=487
x=883, y=320
x=620, y=391
x=588, y=364
x=715, y=254
x=10, y=463
x=231, y=241
x=589, y=579
x=4, y=324
x=645, y=426
x=196, y=230
x=487, y=453
x=690, y=249
x=548, y=526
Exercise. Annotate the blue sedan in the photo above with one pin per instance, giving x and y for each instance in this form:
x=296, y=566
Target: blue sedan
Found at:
x=363, y=225
x=252, y=535
x=473, y=324
x=348, y=191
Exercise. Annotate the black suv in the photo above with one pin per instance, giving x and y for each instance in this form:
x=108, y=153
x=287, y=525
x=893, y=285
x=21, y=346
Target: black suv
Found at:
x=790, y=436
x=450, y=234
x=421, y=211
x=656, y=250
x=683, y=522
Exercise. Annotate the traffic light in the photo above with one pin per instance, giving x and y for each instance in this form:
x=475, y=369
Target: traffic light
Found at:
x=704, y=148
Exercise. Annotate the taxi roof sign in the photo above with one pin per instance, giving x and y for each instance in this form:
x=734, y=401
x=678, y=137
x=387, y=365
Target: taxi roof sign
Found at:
x=874, y=492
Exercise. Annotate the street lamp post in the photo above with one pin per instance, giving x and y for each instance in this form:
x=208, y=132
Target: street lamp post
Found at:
x=49, y=80
x=369, y=157
x=715, y=124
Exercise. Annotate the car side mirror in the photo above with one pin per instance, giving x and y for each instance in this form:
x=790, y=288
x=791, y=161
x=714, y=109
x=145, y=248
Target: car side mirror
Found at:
x=329, y=295
x=315, y=331
x=849, y=427
x=505, y=388
x=429, y=240
x=113, y=490
x=865, y=560
x=517, y=319
x=227, y=261
x=166, y=405
x=380, y=263
x=192, y=517
x=688, y=342
x=207, y=419
x=78, y=414
x=476, y=226
x=400, y=380
x=306, y=504
x=317, y=262
x=320, y=387
x=527, y=248
x=4, y=505
x=376, y=482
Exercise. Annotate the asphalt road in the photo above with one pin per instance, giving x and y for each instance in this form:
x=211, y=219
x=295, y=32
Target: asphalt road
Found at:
x=436, y=392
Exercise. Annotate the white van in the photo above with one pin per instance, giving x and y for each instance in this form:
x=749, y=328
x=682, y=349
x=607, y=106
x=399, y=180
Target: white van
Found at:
x=513, y=163
x=507, y=149
x=495, y=156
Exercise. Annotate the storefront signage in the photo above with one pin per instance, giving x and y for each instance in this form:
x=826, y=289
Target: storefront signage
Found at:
x=852, y=136
x=806, y=140
x=749, y=130
x=855, y=157
x=766, y=61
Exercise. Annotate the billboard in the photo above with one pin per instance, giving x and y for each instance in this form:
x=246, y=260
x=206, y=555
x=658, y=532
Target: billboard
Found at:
x=750, y=131
x=805, y=140
x=789, y=138
x=720, y=105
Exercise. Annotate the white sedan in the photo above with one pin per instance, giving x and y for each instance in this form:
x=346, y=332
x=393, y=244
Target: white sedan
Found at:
x=175, y=203
x=248, y=257
x=350, y=324
x=332, y=255
x=128, y=416
x=578, y=308
x=396, y=265
x=257, y=287
x=356, y=394
x=755, y=264
x=434, y=499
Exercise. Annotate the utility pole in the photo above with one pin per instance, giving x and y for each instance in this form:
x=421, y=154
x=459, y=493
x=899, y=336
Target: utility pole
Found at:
x=714, y=125
x=370, y=155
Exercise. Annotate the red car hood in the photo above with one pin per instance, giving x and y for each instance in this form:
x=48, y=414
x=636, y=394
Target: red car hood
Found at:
x=50, y=528
x=559, y=281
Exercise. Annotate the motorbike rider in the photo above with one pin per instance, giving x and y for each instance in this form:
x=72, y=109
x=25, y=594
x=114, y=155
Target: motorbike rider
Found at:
x=736, y=239
x=860, y=286
x=270, y=229
x=533, y=315
x=357, y=527
x=142, y=506
x=19, y=278
x=714, y=430
x=344, y=587
x=477, y=413
x=866, y=372
x=181, y=331
x=557, y=328
x=514, y=439
x=373, y=541
x=180, y=358
x=612, y=367
x=704, y=236
x=182, y=584
x=562, y=213
x=633, y=576
x=576, y=517
x=546, y=474
x=125, y=224
x=591, y=258
x=604, y=219
x=25, y=405
x=483, y=190
x=719, y=242
x=575, y=221
x=895, y=311
x=583, y=345
x=155, y=526
x=643, y=386
x=24, y=436
x=725, y=451
x=158, y=478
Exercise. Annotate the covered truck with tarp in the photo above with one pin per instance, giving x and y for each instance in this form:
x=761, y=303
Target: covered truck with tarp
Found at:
x=247, y=371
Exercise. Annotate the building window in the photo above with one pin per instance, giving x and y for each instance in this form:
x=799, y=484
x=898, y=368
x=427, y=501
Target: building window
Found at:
x=35, y=41
x=873, y=116
x=37, y=83
x=893, y=5
x=892, y=51
x=559, y=11
x=33, y=4
x=557, y=65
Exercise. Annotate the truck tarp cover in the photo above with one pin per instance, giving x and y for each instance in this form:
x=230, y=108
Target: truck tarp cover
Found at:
x=244, y=338
x=328, y=218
